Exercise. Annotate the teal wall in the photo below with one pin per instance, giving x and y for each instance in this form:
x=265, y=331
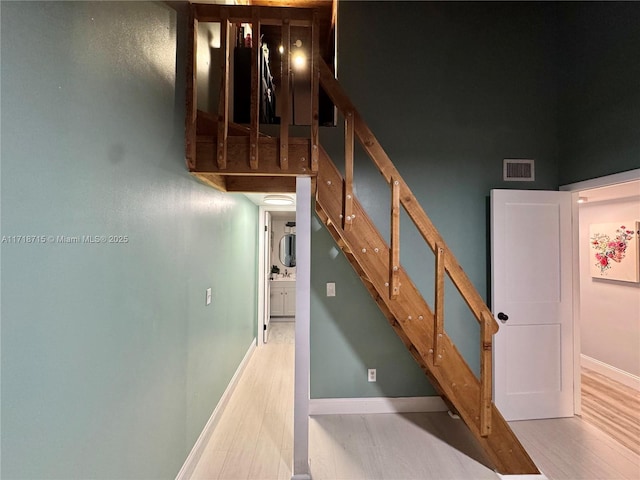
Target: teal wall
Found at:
x=600, y=119
x=450, y=89
x=111, y=362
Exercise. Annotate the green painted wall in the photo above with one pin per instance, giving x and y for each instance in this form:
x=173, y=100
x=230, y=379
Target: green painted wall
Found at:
x=600, y=119
x=450, y=90
x=111, y=362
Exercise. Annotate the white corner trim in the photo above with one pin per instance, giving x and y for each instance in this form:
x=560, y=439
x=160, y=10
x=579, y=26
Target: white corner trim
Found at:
x=346, y=406
x=626, y=378
x=303, y=476
x=540, y=476
x=190, y=463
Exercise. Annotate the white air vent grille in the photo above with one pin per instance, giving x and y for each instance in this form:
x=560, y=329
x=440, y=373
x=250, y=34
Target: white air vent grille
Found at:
x=518, y=170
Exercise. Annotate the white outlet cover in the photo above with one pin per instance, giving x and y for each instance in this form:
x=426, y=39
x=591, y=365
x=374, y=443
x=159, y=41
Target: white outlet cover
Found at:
x=208, y=296
x=371, y=374
x=331, y=289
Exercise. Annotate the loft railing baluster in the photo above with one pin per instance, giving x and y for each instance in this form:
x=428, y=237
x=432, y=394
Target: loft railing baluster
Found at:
x=284, y=96
x=223, y=105
x=315, y=89
x=255, y=90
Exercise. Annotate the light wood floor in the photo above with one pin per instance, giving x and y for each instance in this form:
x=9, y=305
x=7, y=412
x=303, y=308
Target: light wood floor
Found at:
x=253, y=440
x=612, y=407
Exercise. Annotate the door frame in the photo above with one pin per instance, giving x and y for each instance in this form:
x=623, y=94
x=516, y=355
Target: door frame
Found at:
x=575, y=189
x=262, y=274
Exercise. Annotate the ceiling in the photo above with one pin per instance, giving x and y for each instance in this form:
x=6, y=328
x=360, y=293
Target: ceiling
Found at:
x=258, y=199
x=621, y=190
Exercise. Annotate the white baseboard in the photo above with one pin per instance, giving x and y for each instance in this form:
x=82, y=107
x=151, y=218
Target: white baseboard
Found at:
x=346, y=406
x=196, y=452
x=613, y=373
x=540, y=476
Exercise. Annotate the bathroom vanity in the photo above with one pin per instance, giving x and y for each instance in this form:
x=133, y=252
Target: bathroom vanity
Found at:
x=283, y=298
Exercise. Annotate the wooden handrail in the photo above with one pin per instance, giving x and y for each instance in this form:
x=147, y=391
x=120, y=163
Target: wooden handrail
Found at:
x=411, y=205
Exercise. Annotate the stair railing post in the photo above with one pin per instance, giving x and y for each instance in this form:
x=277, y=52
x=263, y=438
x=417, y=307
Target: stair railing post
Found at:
x=394, y=254
x=192, y=91
x=223, y=104
x=486, y=336
x=255, y=90
x=349, y=140
x=315, y=89
x=284, y=100
x=438, y=317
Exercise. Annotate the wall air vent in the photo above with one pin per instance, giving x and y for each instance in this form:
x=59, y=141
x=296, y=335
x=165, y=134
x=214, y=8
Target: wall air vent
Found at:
x=518, y=170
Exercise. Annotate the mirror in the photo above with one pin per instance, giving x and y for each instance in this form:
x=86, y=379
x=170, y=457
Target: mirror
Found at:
x=288, y=250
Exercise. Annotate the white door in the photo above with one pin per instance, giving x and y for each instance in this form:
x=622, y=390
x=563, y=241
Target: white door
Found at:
x=267, y=273
x=531, y=252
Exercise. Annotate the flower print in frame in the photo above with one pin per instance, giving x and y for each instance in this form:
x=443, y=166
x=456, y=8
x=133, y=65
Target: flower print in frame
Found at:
x=614, y=251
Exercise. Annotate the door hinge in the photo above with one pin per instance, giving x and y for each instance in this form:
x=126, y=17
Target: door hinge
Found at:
x=264, y=327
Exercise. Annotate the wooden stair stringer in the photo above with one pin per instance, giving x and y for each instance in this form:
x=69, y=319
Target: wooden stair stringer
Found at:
x=412, y=319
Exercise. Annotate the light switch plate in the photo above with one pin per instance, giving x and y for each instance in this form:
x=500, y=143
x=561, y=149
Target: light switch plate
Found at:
x=331, y=289
x=208, y=296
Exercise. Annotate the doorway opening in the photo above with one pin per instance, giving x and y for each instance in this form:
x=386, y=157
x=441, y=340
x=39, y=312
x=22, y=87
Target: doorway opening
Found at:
x=280, y=284
x=273, y=227
x=607, y=330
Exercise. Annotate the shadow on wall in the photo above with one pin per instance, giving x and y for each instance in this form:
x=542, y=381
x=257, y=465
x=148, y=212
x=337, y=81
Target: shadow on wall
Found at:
x=349, y=334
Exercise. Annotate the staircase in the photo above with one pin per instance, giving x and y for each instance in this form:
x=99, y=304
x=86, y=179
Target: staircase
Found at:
x=237, y=158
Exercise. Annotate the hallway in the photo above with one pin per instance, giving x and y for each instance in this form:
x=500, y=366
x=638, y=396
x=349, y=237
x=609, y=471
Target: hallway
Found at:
x=254, y=438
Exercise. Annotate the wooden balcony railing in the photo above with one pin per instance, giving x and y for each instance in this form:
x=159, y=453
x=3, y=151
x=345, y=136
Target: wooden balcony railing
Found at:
x=285, y=18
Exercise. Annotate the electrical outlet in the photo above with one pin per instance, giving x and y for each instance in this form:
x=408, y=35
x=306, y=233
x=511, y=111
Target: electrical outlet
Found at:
x=371, y=375
x=331, y=289
x=208, y=296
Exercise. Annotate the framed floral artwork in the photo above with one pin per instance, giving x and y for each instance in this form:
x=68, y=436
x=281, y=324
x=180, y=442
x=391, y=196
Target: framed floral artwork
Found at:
x=614, y=252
